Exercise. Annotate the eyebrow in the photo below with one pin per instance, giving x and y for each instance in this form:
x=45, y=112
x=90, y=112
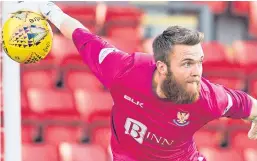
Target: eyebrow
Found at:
x=189, y=59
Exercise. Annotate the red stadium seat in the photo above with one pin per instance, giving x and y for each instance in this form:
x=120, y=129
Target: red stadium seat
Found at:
x=220, y=68
x=238, y=124
x=215, y=154
x=126, y=45
x=124, y=21
x=240, y=8
x=55, y=134
x=90, y=102
x=216, y=6
x=82, y=80
x=73, y=62
x=128, y=33
x=129, y=45
x=240, y=139
x=62, y=48
x=28, y=133
x=205, y=137
x=86, y=14
x=51, y=104
x=101, y=135
x=81, y=152
x=39, y=152
x=215, y=52
x=38, y=79
x=250, y=154
x=245, y=53
x=1, y=102
x=253, y=87
x=123, y=15
x=253, y=19
x=26, y=112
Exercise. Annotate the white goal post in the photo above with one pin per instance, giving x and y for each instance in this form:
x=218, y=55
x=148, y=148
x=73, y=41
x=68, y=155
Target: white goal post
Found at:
x=11, y=100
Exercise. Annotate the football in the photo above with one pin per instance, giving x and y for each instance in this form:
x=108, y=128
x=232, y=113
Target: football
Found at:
x=27, y=37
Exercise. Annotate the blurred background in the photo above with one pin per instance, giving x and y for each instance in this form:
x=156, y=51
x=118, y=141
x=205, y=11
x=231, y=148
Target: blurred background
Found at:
x=65, y=110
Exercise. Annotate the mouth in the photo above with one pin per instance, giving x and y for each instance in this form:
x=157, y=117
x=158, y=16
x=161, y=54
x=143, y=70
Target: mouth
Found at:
x=192, y=82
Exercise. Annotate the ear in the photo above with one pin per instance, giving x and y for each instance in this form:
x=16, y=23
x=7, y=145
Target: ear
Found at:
x=162, y=67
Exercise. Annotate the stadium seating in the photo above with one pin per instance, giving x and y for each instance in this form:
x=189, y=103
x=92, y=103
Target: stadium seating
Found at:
x=253, y=87
x=30, y=132
x=124, y=22
x=100, y=132
x=86, y=14
x=52, y=104
x=63, y=47
x=240, y=8
x=220, y=67
x=39, y=152
x=81, y=152
x=216, y=7
x=91, y=102
x=123, y=16
x=82, y=80
x=38, y=79
x=56, y=133
x=211, y=137
x=252, y=29
x=101, y=136
x=27, y=113
x=215, y=54
x=226, y=154
x=239, y=140
x=1, y=97
x=72, y=122
x=245, y=54
x=73, y=62
x=250, y=154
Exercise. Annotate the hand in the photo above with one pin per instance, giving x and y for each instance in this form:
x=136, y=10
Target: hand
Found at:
x=46, y=8
x=252, y=134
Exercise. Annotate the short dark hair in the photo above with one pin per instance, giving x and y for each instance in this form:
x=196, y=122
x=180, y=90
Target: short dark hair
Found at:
x=174, y=35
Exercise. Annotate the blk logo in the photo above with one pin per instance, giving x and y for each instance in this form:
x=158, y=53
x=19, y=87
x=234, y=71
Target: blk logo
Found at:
x=133, y=101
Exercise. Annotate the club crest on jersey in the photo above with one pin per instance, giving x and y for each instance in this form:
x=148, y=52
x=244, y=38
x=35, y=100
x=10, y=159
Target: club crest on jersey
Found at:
x=182, y=119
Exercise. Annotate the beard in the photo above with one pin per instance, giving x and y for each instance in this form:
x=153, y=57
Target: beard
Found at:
x=176, y=93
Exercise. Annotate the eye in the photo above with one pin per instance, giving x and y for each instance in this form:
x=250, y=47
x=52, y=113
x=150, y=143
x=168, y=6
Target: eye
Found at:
x=187, y=64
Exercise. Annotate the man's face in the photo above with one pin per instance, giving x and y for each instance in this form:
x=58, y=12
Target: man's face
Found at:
x=182, y=82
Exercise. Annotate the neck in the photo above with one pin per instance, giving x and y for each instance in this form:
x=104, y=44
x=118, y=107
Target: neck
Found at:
x=156, y=84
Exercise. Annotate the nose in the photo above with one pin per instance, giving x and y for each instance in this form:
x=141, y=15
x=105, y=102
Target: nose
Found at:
x=197, y=70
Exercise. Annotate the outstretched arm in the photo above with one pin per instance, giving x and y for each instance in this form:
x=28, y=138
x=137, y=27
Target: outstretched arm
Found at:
x=104, y=60
x=234, y=104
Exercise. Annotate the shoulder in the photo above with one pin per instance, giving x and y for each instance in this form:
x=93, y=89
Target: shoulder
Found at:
x=143, y=59
x=138, y=62
x=213, y=95
x=138, y=75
